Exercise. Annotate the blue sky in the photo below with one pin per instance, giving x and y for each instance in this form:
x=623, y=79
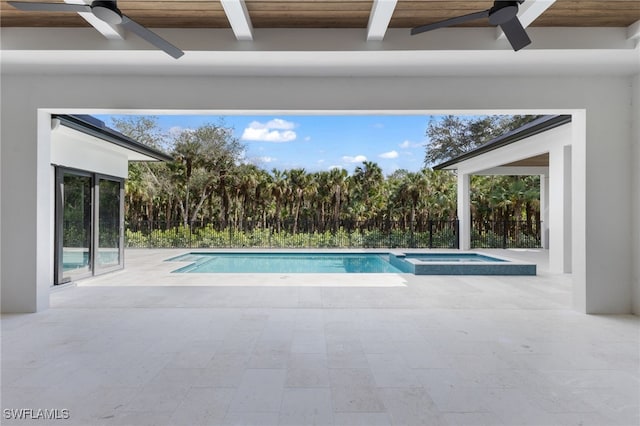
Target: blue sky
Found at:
x=320, y=142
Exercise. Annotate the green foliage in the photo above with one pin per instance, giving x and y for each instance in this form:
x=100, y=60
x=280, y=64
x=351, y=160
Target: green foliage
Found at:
x=208, y=237
x=454, y=135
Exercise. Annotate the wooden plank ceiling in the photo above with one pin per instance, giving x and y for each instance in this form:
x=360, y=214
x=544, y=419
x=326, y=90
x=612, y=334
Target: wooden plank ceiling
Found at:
x=328, y=13
x=541, y=160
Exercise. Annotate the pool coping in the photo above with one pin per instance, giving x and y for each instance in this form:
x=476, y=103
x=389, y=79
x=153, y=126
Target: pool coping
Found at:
x=505, y=265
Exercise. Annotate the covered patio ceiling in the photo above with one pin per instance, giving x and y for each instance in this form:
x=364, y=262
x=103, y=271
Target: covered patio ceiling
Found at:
x=333, y=13
x=327, y=38
x=541, y=160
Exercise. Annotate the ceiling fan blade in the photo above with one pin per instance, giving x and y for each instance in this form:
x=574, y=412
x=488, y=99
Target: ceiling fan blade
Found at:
x=151, y=37
x=450, y=22
x=49, y=7
x=516, y=34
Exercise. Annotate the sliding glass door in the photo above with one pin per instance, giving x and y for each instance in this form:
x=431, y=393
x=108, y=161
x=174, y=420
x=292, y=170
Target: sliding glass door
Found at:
x=75, y=224
x=89, y=218
x=109, y=230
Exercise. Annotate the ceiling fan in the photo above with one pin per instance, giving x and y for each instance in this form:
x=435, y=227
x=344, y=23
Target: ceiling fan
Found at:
x=503, y=13
x=107, y=11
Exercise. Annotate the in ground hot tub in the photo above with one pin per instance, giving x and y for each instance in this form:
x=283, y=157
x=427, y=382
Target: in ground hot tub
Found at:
x=462, y=263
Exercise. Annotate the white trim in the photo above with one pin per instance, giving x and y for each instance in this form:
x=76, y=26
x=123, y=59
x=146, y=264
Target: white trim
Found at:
x=379, y=19
x=236, y=11
x=529, y=11
x=110, y=32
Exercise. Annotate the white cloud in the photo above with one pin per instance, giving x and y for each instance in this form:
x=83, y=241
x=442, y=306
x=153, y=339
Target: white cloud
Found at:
x=307, y=139
x=390, y=154
x=266, y=159
x=278, y=123
x=378, y=126
x=408, y=144
x=320, y=161
x=356, y=159
x=334, y=167
x=276, y=130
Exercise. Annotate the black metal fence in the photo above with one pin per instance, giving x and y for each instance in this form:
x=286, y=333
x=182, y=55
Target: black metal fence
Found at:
x=344, y=234
x=506, y=234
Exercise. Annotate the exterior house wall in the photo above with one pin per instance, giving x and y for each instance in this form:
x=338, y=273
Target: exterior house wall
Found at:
x=70, y=148
x=601, y=107
x=635, y=223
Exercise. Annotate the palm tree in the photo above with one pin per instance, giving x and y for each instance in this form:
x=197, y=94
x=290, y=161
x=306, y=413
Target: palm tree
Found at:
x=279, y=191
x=367, y=190
x=247, y=182
x=414, y=187
x=311, y=192
x=322, y=198
x=297, y=181
x=262, y=195
x=339, y=187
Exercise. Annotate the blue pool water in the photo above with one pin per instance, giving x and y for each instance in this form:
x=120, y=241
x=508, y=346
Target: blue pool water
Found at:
x=285, y=263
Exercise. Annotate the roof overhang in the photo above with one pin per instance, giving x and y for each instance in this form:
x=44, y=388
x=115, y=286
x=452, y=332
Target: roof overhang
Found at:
x=134, y=150
x=536, y=127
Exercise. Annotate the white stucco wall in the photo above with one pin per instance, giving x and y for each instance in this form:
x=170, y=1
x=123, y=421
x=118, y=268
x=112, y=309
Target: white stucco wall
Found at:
x=71, y=148
x=635, y=119
x=602, y=276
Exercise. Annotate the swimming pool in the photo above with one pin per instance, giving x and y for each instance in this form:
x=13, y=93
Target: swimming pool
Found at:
x=430, y=263
x=283, y=263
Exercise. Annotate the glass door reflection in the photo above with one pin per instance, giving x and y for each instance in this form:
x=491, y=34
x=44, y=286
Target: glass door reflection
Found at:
x=76, y=235
x=109, y=232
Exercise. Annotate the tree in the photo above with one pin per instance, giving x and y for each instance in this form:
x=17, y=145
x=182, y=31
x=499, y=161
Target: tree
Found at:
x=368, y=185
x=279, y=191
x=453, y=135
x=144, y=129
x=149, y=186
x=297, y=181
x=339, y=187
x=206, y=158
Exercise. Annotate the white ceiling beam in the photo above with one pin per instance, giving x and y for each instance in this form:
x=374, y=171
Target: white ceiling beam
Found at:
x=379, y=19
x=529, y=11
x=633, y=31
x=238, y=16
x=109, y=31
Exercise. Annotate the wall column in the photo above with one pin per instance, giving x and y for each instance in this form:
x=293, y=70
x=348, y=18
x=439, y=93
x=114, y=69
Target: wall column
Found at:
x=560, y=209
x=26, y=223
x=464, y=211
x=544, y=210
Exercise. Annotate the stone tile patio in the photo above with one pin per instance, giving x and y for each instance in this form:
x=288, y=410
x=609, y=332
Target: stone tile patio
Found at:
x=144, y=347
